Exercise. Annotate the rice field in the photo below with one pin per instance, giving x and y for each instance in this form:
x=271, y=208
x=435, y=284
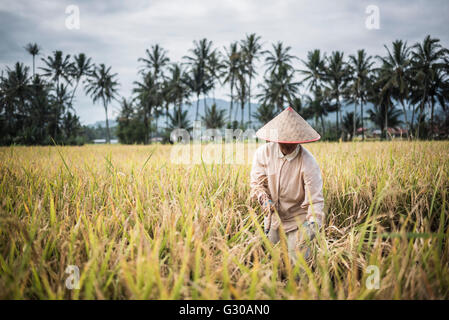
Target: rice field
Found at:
x=139, y=226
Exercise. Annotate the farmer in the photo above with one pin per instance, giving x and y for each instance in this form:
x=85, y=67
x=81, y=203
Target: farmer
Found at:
x=286, y=181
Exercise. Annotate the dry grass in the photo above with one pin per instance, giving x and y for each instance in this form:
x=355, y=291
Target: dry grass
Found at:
x=156, y=230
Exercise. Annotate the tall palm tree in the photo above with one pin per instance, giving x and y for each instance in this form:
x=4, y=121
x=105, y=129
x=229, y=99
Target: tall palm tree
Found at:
x=178, y=89
x=199, y=60
x=358, y=89
x=57, y=67
x=251, y=49
x=194, y=82
x=426, y=64
x=149, y=94
x=103, y=86
x=381, y=95
x=315, y=71
x=242, y=88
x=318, y=107
x=231, y=65
x=396, y=69
x=33, y=49
x=82, y=67
x=215, y=69
x=155, y=61
x=278, y=58
x=279, y=88
x=15, y=89
x=337, y=76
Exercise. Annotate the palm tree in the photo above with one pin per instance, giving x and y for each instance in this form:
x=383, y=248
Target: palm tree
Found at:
x=242, y=87
x=60, y=100
x=57, y=66
x=103, y=86
x=149, y=94
x=214, y=118
x=181, y=121
x=337, y=75
x=426, y=64
x=318, y=107
x=349, y=122
x=178, y=88
x=231, y=65
x=202, y=54
x=33, y=49
x=214, y=68
x=82, y=67
x=251, y=48
x=396, y=69
x=377, y=116
x=279, y=58
x=15, y=90
x=315, y=71
x=358, y=89
x=155, y=61
x=279, y=88
x=194, y=82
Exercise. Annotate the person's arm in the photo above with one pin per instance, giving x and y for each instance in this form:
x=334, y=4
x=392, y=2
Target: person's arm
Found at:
x=313, y=187
x=258, y=185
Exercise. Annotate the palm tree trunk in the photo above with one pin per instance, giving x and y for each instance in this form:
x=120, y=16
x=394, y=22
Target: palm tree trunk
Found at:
x=322, y=125
x=34, y=74
x=406, y=120
x=145, y=123
x=236, y=112
x=197, y=105
x=354, y=125
x=73, y=93
x=363, y=128
x=338, y=109
x=413, y=120
x=108, y=137
x=249, y=102
x=431, y=119
x=231, y=105
x=179, y=113
x=243, y=108
x=386, y=120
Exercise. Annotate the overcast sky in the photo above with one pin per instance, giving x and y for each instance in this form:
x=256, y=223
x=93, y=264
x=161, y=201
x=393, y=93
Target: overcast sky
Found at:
x=118, y=32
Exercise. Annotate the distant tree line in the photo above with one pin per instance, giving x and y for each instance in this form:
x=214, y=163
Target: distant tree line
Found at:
x=38, y=108
x=407, y=79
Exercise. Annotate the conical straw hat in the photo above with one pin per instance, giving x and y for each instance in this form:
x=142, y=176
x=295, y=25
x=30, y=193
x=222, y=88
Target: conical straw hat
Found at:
x=288, y=127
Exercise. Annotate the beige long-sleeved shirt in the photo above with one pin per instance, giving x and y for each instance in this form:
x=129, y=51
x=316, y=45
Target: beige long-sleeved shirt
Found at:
x=293, y=182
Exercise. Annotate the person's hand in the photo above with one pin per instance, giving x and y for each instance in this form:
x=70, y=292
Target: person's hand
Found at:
x=267, y=204
x=310, y=228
